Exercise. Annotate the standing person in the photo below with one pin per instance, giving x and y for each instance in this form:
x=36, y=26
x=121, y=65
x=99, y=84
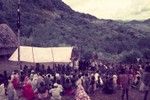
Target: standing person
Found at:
x=115, y=77
x=68, y=86
x=92, y=84
x=11, y=92
x=86, y=82
x=125, y=83
x=28, y=92
x=76, y=64
x=34, y=82
x=80, y=92
x=5, y=79
x=146, y=81
x=108, y=87
x=2, y=91
x=15, y=80
x=96, y=75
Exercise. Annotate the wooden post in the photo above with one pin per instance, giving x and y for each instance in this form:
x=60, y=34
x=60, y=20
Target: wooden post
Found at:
x=52, y=57
x=18, y=33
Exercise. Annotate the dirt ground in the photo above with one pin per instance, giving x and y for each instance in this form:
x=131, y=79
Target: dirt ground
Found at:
x=133, y=95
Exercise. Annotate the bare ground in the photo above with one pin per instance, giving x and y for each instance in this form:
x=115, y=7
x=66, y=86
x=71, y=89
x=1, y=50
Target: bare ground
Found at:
x=133, y=95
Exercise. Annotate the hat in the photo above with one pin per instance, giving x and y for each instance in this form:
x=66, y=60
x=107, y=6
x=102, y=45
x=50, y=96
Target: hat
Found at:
x=55, y=84
x=32, y=71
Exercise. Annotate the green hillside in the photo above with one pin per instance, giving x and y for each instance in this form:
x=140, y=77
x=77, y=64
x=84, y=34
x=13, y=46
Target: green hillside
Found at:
x=53, y=23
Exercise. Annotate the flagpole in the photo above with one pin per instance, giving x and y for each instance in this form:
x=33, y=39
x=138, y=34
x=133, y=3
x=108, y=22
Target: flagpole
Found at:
x=18, y=33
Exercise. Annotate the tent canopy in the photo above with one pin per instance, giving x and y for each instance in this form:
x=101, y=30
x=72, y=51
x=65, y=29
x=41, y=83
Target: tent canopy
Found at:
x=42, y=55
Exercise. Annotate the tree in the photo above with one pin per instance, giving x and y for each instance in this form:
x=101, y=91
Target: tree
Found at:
x=132, y=56
x=146, y=53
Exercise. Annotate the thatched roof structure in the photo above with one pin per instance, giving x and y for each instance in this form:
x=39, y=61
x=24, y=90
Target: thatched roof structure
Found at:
x=8, y=38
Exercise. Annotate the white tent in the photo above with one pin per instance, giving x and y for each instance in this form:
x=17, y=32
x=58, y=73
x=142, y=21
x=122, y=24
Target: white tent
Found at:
x=42, y=55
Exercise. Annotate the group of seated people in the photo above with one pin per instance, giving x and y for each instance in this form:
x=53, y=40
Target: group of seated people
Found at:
x=51, y=83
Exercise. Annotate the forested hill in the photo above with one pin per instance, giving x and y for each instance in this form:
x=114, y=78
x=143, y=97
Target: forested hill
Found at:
x=53, y=23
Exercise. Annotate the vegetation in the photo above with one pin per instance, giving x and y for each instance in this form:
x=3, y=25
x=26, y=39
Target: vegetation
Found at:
x=53, y=23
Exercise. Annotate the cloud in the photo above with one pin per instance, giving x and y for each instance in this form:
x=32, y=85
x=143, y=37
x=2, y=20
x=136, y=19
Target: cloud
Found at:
x=113, y=9
x=143, y=10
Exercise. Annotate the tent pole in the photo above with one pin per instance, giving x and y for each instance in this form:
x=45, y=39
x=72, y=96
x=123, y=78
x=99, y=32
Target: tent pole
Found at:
x=18, y=33
x=33, y=55
x=52, y=56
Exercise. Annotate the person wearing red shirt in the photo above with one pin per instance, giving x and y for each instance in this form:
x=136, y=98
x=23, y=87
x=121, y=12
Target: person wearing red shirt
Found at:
x=125, y=83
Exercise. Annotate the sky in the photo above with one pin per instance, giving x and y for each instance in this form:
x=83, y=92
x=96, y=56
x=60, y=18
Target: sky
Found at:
x=113, y=9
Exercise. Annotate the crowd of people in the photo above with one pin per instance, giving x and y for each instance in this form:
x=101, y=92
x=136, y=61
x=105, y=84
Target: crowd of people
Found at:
x=80, y=80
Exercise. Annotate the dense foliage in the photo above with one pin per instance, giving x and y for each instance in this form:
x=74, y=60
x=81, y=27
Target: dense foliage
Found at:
x=53, y=23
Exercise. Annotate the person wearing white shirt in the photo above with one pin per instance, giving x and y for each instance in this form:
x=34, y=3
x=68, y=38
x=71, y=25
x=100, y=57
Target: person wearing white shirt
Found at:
x=115, y=77
x=56, y=92
x=2, y=92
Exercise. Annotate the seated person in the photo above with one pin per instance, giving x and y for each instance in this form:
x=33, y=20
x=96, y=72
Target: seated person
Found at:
x=42, y=91
x=56, y=92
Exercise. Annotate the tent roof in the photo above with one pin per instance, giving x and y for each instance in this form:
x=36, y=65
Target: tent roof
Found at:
x=7, y=37
x=42, y=55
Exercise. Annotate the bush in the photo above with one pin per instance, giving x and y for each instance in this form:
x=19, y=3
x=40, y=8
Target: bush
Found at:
x=146, y=53
x=132, y=56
